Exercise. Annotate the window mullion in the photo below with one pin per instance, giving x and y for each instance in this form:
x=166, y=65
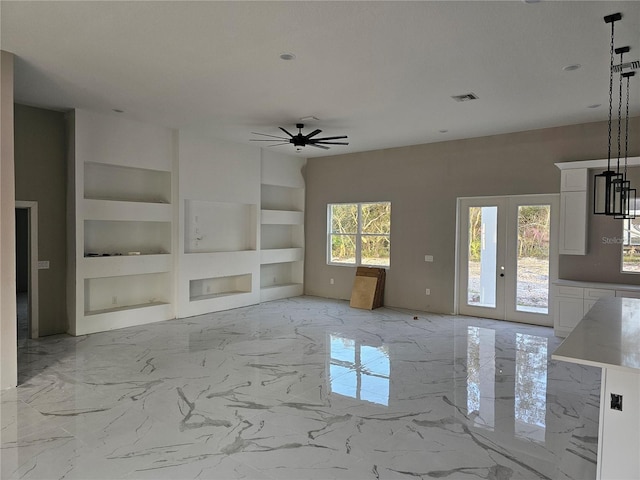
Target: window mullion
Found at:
x=359, y=237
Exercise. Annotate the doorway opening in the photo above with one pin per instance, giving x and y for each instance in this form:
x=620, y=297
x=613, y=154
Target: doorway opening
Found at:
x=507, y=257
x=27, y=269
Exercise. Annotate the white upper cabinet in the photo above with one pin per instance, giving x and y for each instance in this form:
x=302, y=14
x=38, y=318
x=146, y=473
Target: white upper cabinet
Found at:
x=573, y=211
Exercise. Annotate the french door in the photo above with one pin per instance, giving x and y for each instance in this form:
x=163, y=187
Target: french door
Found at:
x=507, y=257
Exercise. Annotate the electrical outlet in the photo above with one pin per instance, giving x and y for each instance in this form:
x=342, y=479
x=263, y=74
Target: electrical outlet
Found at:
x=616, y=402
x=114, y=300
x=428, y=258
x=427, y=291
x=331, y=282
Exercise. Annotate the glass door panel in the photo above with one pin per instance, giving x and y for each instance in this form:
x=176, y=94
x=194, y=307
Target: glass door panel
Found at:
x=532, y=261
x=481, y=257
x=483, y=246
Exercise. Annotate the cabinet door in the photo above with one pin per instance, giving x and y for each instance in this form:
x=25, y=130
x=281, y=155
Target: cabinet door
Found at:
x=573, y=223
x=567, y=313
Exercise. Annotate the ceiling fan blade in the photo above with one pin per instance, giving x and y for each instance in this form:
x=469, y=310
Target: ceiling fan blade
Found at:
x=328, y=138
x=329, y=143
x=266, y=139
x=318, y=146
x=285, y=132
x=277, y=144
x=267, y=135
x=312, y=134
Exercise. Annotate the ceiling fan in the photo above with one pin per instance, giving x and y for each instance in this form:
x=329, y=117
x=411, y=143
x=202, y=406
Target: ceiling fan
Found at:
x=299, y=140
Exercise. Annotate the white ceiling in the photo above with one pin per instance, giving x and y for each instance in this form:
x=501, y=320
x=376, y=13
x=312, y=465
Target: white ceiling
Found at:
x=382, y=73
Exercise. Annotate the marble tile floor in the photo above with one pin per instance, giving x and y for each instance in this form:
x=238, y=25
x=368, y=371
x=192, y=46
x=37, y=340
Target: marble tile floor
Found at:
x=304, y=388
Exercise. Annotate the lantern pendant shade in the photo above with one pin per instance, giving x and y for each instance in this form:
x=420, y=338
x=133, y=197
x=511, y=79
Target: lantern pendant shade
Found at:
x=627, y=202
x=604, y=192
x=620, y=187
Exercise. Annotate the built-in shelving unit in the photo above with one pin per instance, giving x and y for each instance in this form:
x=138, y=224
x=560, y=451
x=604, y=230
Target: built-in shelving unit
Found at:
x=219, y=224
x=121, y=175
x=281, y=228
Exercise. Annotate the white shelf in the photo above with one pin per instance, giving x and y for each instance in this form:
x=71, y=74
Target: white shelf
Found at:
x=281, y=217
x=211, y=296
x=277, y=292
x=111, y=319
x=94, y=267
x=123, y=309
x=281, y=255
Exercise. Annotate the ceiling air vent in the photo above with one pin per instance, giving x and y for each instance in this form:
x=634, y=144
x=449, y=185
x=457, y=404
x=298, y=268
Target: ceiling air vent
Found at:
x=466, y=97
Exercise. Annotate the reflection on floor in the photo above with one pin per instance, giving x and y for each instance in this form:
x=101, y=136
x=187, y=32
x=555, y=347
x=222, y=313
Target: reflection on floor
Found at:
x=304, y=388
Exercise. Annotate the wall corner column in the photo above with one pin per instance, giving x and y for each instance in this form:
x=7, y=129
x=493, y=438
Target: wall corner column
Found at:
x=8, y=323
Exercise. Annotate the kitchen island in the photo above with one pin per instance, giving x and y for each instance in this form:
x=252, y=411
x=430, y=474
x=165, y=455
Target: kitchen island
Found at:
x=609, y=337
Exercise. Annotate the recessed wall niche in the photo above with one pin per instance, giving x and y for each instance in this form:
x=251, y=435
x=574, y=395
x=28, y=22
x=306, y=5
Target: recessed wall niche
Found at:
x=276, y=197
x=206, y=288
x=113, y=182
x=219, y=226
x=103, y=237
x=111, y=294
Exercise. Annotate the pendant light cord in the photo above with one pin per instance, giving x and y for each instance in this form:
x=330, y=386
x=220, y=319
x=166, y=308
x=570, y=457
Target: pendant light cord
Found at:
x=626, y=130
x=610, y=96
x=619, y=115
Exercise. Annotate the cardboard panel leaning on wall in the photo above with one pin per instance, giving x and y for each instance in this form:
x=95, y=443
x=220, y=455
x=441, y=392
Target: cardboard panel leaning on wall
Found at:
x=422, y=183
x=40, y=174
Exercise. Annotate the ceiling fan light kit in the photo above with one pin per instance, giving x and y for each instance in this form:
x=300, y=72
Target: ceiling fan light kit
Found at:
x=612, y=192
x=299, y=141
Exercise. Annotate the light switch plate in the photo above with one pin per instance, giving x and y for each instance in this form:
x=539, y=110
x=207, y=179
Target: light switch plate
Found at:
x=43, y=264
x=428, y=258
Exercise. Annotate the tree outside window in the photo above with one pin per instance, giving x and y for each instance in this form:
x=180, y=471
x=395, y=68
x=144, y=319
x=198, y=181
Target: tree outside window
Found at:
x=359, y=234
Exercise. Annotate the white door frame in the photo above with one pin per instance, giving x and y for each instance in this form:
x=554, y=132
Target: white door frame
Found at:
x=511, y=202
x=32, y=208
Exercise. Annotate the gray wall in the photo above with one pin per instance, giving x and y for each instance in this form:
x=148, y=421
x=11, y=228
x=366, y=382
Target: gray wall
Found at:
x=40, y=172
x=423, y=183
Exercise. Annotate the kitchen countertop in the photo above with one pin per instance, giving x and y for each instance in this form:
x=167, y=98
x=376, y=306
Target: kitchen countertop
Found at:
x=608, y=336
x=608, y=286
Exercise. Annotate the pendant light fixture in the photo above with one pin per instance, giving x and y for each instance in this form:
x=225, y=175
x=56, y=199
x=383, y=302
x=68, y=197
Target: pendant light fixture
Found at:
x=628, y=194
x=612, y=192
